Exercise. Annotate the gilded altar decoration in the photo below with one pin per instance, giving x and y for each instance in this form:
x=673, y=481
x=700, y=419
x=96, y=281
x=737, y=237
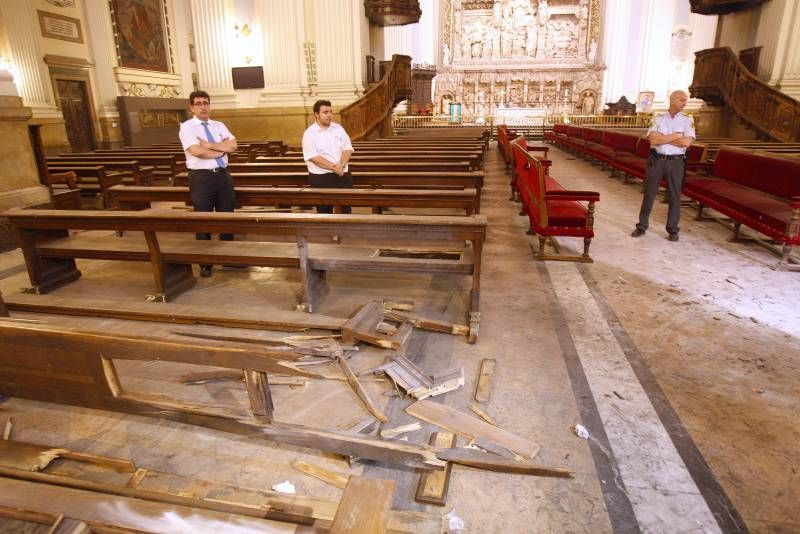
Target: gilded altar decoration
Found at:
x=501, y=55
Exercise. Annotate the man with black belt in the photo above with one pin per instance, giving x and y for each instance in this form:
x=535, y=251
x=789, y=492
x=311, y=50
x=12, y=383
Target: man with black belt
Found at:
x=207, y=144
x=670, y=135
x=326, y=150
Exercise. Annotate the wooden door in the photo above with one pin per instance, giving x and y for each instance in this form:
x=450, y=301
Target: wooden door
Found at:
x=74, y=102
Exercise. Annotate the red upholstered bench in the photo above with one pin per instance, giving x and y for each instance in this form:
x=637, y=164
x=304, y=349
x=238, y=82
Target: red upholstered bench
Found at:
x=754, y=188
x=635, y=165
x=551, y=209
x=521, y=165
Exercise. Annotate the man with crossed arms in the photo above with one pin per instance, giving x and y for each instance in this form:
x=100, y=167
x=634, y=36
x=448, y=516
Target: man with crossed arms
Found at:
x=207, y=144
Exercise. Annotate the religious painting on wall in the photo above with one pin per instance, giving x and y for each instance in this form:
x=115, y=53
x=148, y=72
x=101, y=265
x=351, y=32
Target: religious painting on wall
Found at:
x=140, y=34
x=645, y=102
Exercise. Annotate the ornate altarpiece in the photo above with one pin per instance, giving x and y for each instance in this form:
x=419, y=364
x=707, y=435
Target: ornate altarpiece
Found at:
x=499, y=57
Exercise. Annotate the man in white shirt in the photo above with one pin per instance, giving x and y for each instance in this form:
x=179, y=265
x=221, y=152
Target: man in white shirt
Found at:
x=670, y=135
x=327, y=150
x=207, y=144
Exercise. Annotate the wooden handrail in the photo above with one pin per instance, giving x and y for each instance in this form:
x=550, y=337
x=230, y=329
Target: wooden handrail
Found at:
x=365, y=115
x=721, y=79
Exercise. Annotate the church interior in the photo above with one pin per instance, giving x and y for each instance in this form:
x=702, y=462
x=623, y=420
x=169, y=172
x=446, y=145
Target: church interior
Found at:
x=471, y=334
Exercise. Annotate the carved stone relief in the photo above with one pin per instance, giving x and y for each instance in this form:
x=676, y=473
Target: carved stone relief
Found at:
x=519, y=53
x=149, y=90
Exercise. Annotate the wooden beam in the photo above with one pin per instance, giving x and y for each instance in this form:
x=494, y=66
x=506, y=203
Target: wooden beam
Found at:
x=365, y=506
x=257, y=384
x=360, y=391
x=470, y=427
x=325, y=475
x=433, y=485
x=492, y=462
x=483, y=386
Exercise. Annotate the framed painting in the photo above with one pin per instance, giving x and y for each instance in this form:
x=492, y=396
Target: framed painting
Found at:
x=149, y=119
x=140, y=34
x=171, y=118
x=645, y=102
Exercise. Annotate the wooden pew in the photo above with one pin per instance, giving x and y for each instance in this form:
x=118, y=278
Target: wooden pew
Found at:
x=132, y=172
x=356, y=166
x=92, y=180
x=138, y=198
x=64, y=192
x=388, y=156
x=50, y=250
x=364, y=180
x=165, y=166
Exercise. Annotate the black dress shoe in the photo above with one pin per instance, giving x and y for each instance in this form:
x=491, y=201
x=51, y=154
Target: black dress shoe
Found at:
x=673, y=237
x=205, y=271
x=638, y=232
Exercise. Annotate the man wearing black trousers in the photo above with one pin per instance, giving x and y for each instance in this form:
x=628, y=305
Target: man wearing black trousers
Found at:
x=327, y=150
x=207, y=144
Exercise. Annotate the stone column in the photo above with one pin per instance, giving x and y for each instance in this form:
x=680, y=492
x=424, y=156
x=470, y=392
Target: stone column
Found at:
x=20, y=186
x=33, y=80
x=101, y=44
x=211, y=47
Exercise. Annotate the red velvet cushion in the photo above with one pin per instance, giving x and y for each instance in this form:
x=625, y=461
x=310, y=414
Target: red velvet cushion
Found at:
x=566, y=213
x=760, y=207
x=776, y=175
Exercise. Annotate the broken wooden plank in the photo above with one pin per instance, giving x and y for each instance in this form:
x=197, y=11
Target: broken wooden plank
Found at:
x=363, y=326
x=390, y=433
x=492, y=462
x=257, y=384
x=8, y=428
x=470, y=427
x=168, y=488
x=431, y=325
x=170, y=312
x=361, y=392
x=205, y=377
x=364, y=508
x=20, y=455
x=325, y=475
x=416, y=383
x=433, y=485
x=391, y=304
x=69, y=525
x=483, y=415
x=483, y=386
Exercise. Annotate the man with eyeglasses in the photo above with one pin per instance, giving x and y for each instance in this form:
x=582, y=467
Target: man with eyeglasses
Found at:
x=207, y=144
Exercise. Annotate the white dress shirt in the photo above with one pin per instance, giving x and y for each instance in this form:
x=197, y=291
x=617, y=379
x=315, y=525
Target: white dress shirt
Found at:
x=327, y=142
x=667, y=124
x=191, y=130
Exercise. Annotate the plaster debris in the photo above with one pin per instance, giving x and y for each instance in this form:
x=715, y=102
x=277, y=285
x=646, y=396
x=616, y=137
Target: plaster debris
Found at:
x=284, y=487
x=581, y=431
x=454, y=523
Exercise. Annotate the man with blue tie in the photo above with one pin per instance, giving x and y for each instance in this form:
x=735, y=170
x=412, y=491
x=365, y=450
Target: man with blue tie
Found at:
x=207, y=144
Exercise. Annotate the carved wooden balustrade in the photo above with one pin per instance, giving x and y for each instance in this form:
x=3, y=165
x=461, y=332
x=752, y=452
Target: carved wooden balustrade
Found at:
x=721, y=79
x=369, y=113
x=392, y=12
x=722, y=7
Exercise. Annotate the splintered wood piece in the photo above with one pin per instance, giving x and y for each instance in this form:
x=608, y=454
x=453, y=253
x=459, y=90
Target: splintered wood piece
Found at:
x=204, y=377
x=416, y=383
x=483, y=415
x=257, y=384
x=492, y=462
x=470, y=427
x=360, y=391
x=27, y=457
x=363, y=326
x=483, y=386
x=389, y=305
x=429, y=324
x=7, y=429
x=386, y=329
x=390, y=433
x=68, y=525
x=365, y=506
x=325, y=475
x=433, y=485
x=362, y=426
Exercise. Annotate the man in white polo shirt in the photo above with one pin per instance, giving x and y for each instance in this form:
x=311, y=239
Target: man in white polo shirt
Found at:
x=326, y=150
x=207, y=144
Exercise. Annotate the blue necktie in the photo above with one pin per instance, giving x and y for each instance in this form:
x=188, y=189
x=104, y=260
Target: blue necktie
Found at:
x=220, y=161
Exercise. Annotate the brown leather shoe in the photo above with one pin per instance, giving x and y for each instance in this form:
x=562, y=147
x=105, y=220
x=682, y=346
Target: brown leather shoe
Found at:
x=638, y=232
x=673, y=237
x=205, y=271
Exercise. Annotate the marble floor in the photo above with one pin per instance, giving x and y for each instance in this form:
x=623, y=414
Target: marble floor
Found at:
x=680, y=359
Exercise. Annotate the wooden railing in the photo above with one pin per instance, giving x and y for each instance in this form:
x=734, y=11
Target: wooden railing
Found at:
x=369, y=113
x=721, y=79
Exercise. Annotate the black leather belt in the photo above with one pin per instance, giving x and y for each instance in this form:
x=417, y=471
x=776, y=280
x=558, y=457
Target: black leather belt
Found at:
x=215, y=169
x=656, y=155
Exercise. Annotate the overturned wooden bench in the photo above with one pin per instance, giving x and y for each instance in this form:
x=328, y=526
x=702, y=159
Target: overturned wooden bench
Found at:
x=138, y=198
x=385, y=243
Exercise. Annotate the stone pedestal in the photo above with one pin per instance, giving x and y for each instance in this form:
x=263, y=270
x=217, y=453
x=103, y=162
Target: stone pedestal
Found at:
x=20, y=185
